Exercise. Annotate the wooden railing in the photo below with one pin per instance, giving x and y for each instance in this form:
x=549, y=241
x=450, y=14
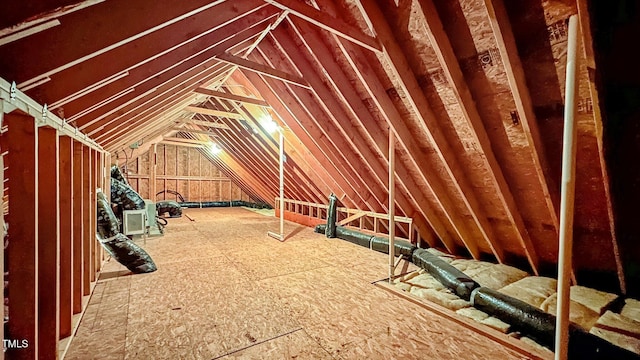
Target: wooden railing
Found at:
x=366, y=221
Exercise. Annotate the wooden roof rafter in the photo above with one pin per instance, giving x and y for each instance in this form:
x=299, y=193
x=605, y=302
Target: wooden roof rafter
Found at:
x=348, y=95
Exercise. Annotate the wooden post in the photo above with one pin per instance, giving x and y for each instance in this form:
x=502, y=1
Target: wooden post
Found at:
x=65, y=182
x=78, y=225
x=22, y=160
x=281, y=133
x=2, y=224
x=567, y=196
x=93, y=223
x=392, y=208
x=153, y=165
x=86, y=220
x=48, y=244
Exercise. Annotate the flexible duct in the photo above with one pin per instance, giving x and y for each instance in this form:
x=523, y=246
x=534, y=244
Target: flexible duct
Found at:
x=124, y=195
x=117, y=174
x=526, y=319
x=332, y=214
x=123, y=250
x=234, y=203
x=168, y=206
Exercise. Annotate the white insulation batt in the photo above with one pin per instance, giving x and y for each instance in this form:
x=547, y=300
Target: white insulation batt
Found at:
x=618, y=330
x=631, y=309
x=533, y=290
x=588, y=309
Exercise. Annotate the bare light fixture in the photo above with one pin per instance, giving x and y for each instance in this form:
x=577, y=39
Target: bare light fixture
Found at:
x=214, y=148
x=269, y=125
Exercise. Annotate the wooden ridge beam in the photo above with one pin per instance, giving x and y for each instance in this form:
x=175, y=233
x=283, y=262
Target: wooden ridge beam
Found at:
x=264, y=70
x=329, y=23
x=231, y=96
x=201, y=132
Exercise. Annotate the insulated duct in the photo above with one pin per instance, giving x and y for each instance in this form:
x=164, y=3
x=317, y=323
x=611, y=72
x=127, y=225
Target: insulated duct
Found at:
x=526, y=319
x=123, y=250
x=124, y=195
x=234, y=203
x=168, y=206
x=332, y=214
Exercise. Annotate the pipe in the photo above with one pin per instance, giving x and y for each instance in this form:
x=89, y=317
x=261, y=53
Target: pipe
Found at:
x=567, y=195
x=332, y=213
x=392, y=208
x=281, y=132
x=209, y=204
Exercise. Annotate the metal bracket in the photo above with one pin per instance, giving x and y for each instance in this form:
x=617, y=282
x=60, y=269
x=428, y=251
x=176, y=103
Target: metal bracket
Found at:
x=12, y=91
x=45, y=112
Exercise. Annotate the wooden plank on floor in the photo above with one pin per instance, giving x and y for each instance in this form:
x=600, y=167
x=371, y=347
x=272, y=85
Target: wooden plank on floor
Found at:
x=48, y=243
x=66, y=234
x=22, y=161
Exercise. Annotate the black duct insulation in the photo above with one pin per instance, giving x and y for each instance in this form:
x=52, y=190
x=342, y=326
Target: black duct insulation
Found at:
x=125, y=251
x=448, y=275
x=129, y=254
x=332, y=214
x=234, y=203
x=172, y=207
x=108, y=225
x=353, y=236
x=401, y=247
x=541, y=326
x=124, y=195
x=117, y=174
x=528, y=320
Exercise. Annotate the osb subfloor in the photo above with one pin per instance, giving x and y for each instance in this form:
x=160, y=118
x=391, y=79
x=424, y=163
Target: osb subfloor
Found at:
x=225, y=290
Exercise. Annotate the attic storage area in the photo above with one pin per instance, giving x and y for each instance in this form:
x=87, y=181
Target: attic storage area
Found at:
x=336, y=179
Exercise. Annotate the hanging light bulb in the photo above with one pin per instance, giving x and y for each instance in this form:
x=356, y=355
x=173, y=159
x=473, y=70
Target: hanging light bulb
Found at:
x=214, y=148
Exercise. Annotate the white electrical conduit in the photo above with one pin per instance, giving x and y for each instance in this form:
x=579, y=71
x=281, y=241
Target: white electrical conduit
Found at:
x=567, y=196
x=392, y=208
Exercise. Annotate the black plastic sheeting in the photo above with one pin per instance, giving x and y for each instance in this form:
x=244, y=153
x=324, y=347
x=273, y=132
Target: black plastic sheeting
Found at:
x=124, y=195
x=448, y=275
x=401, y=247
x=353, y=236
x=332, y=213
x=117, y=174
x=129, y=254
x=541, y=326
x=168, y=206
x=108, y=225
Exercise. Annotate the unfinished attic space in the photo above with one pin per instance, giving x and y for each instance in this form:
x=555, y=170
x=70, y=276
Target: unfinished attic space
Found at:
x=320, y=179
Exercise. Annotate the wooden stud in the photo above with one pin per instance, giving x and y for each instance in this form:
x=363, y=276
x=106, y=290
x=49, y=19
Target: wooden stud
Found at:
x=22, y=162
x=78, y=225
x=48, y=244
x=87, y=237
